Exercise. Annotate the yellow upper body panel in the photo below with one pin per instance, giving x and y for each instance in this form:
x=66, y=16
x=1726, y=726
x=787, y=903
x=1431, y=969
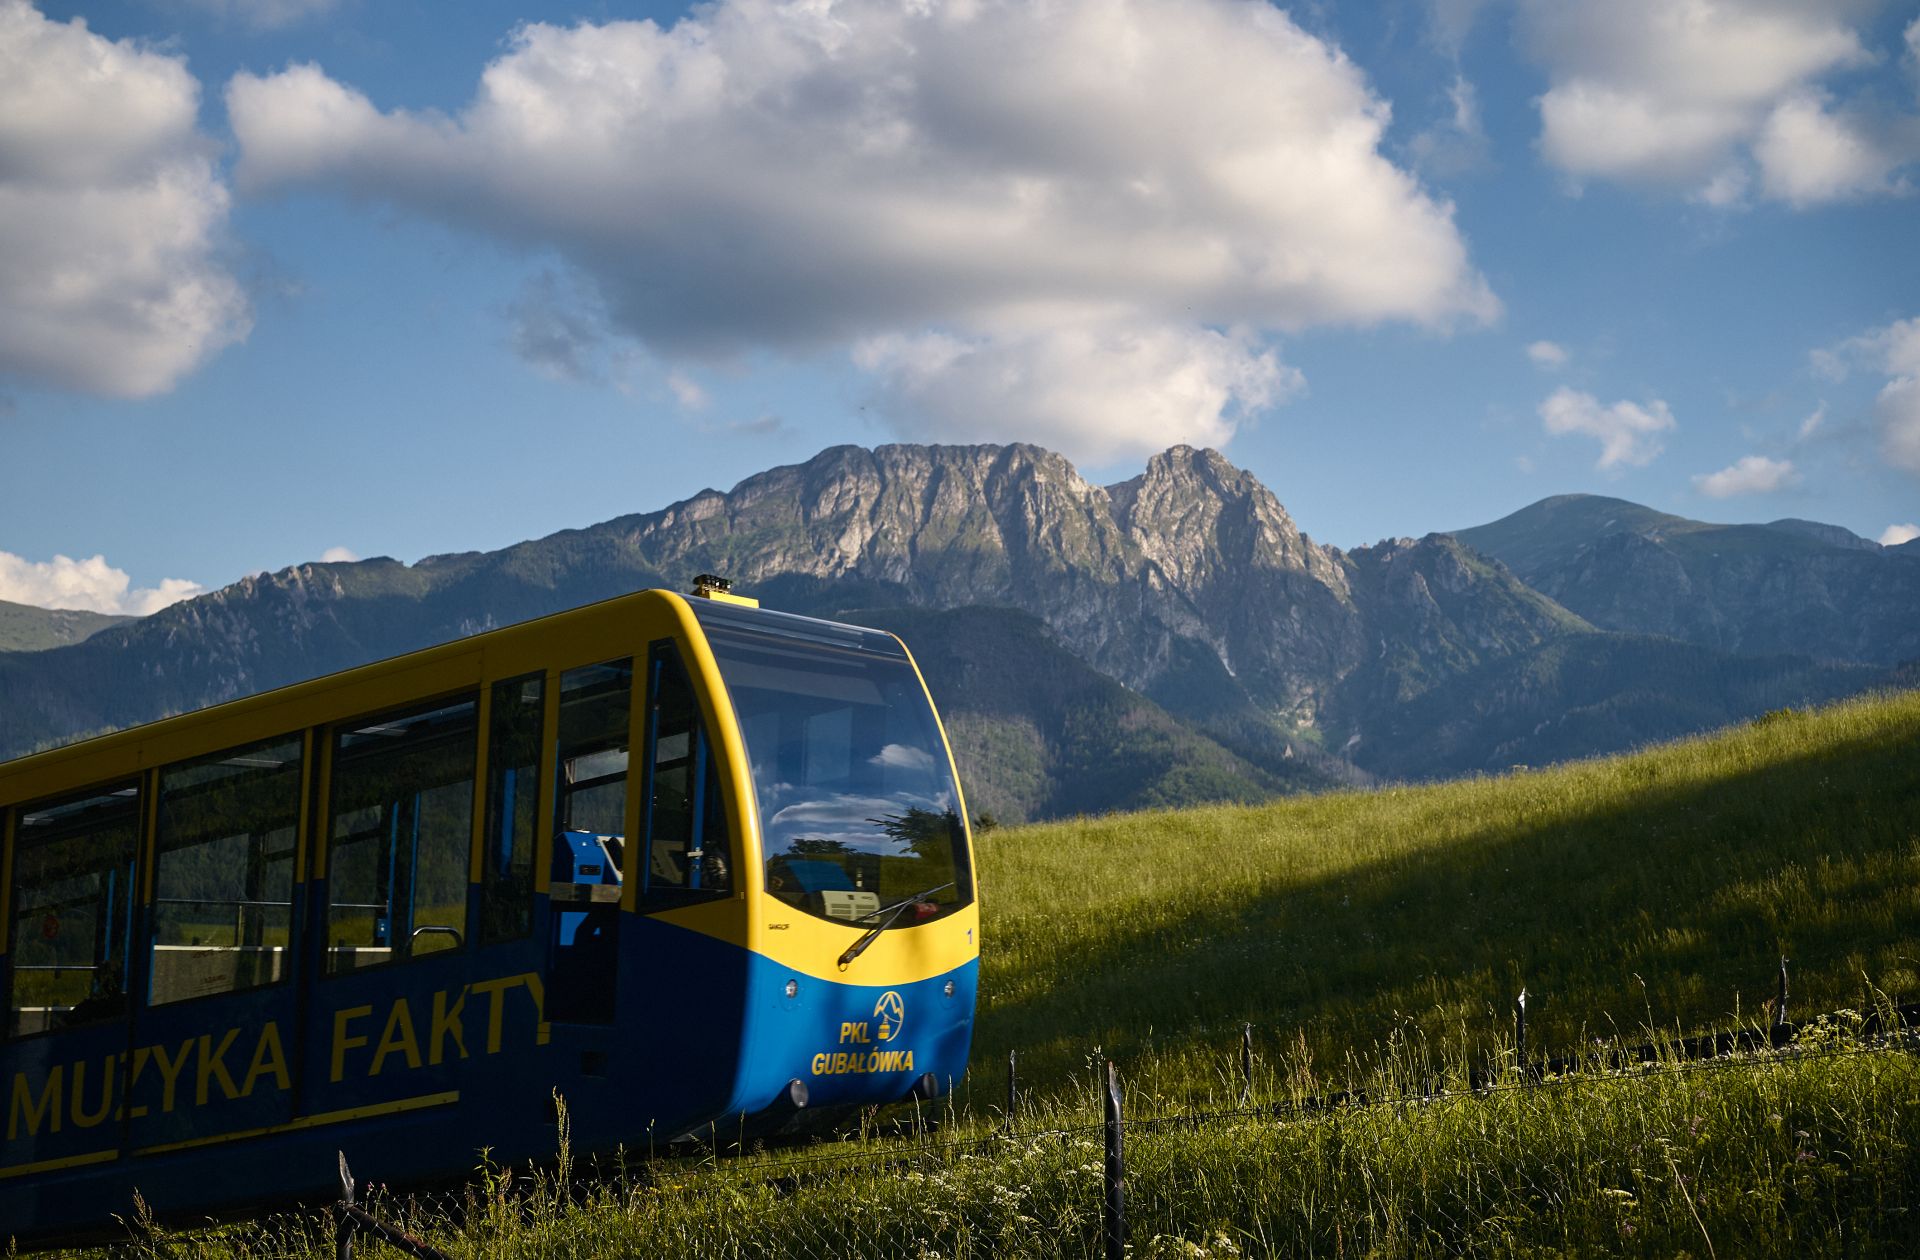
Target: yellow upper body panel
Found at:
x=615, y=628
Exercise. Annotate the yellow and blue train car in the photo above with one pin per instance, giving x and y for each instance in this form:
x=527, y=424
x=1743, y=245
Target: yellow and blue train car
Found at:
x=680, y=863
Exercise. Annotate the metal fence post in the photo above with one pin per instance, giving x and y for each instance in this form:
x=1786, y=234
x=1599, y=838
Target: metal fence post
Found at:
x=1520, y=1030
x=353, y=1221
x=343, y=1233
x=1246, y=1064
x=1114, y=1221
x=1013, y=1085
x=1780, y=998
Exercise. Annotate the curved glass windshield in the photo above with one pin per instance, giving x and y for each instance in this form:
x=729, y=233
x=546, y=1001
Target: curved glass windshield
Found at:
x=859, y=816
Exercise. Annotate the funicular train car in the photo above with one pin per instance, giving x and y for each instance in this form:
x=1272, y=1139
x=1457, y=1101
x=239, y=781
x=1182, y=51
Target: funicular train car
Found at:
x=689, y=864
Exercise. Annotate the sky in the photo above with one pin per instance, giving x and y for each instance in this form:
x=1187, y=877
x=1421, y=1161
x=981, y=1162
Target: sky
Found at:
x=296, y=280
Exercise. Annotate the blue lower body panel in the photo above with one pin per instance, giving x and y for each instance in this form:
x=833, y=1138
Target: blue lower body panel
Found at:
x=414, y=1074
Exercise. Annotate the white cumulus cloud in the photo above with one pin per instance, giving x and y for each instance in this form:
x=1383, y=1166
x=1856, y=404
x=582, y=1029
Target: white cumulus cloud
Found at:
x=1628, y=433
x=1692, y=94
x=1893, y=351
x=1097, y=393
x=1809, y=154
x=1894, y=535
x=1548, y=354
x=338, y=555
x=1750, y=474
x=110, y=213
x=800, y=176
x=90, y=585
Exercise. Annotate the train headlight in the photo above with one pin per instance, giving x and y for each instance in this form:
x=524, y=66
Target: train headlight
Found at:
x=793, y=988
x=949, y=989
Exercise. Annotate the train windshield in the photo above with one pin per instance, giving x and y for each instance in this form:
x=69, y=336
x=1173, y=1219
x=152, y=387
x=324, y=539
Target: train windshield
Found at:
x=859, y=815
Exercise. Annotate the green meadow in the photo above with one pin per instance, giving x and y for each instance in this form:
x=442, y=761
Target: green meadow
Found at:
x=1655, y=889
x=1374, y=940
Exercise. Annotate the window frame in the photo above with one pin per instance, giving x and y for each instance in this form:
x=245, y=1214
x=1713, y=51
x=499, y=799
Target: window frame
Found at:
x=327, y=738
x=135, y=912
x=480, y=878
x=150, y=882
x=710, y=790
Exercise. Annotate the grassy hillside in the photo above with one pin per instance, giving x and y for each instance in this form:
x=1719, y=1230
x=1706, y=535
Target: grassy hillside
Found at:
x=1587, y=694
x=1659, y=887
x=27, y=629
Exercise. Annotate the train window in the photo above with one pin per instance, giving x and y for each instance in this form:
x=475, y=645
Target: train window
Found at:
x=513, y=798
x=859, y=812
x=401, y=825
x=72, y=909
x=595, y=704
x=687, y=847
x=223, y=871
x=596, y=709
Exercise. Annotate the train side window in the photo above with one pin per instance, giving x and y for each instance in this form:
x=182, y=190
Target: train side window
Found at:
x=686, y=833
x=401, y=825
x=595, y=704
x=513, y=800
x=73, y=872
x=223, y=871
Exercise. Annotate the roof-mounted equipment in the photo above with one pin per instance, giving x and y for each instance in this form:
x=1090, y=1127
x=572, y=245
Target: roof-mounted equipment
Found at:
x=714, y=587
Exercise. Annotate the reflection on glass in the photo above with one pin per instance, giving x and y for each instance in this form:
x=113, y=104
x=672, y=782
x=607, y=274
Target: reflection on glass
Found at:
x=223, y=879
x=594, y=705
x=858, y=809
x=402, y=820
x=689, y=853
x=513, y=798
x=72, y=907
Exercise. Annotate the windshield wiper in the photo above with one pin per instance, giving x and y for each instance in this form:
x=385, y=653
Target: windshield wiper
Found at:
x=892, y=912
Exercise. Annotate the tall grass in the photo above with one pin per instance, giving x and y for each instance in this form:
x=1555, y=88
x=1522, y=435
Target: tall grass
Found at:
x=1659, y=888
x=1806, y=1156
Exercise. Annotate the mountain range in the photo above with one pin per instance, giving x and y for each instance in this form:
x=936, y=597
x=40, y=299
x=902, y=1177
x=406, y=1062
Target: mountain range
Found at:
x=24, y=628
x=1169, y=639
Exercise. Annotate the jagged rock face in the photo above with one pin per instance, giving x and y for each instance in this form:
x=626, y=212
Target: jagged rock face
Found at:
x=1438, y=611
x=1192, y=552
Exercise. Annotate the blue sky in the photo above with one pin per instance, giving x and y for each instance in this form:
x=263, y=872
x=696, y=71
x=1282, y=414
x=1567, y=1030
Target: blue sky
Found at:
x=288, y=278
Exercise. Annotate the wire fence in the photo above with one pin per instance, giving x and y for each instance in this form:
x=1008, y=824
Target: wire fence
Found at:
x=936, y=1185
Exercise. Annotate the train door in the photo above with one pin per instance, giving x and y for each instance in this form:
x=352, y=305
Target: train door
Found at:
x=394, y=1008
x=692, y=990
x=590, y=824
x=216, y=1025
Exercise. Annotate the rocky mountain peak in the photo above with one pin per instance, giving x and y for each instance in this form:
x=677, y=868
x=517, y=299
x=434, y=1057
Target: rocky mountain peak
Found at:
x=1200, y=519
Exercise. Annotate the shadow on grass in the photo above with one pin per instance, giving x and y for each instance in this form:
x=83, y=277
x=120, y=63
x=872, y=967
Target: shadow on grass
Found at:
x=1671, y=909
